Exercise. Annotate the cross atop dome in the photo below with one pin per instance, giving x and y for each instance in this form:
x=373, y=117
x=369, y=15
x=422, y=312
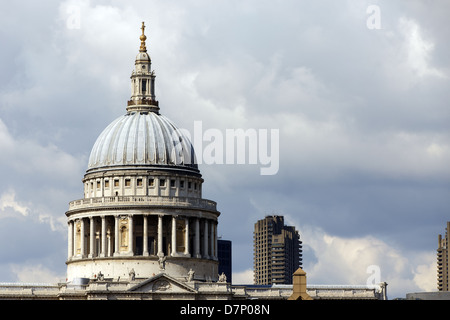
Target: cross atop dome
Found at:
x=143, y=38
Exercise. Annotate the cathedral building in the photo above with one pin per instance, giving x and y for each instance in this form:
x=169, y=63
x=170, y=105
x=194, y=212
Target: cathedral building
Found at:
x=142, y=229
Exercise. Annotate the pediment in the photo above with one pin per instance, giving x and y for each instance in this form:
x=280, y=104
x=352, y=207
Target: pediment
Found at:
x=162, y=283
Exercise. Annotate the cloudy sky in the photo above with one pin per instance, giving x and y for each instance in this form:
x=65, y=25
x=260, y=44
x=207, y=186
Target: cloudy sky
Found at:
x=358, y=91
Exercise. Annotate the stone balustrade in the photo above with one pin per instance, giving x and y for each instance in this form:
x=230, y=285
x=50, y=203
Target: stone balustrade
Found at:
x=185, y=202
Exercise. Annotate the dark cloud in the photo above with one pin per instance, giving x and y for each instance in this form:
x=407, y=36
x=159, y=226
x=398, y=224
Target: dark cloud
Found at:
x=362, y=114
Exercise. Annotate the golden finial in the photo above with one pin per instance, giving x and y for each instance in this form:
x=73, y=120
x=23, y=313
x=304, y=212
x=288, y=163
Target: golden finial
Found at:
x=143, y=38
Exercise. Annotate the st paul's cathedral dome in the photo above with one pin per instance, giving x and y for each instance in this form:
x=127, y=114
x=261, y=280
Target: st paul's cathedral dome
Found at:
x=142, y=213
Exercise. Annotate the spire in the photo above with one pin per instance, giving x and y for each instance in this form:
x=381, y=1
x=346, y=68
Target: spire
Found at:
x=143, y=38
x=143, y=81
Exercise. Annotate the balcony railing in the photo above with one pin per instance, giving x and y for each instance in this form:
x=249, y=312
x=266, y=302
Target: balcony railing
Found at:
x=184, y=202
x=143, y=102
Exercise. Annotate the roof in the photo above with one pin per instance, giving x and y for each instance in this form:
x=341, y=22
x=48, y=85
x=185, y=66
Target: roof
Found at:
x=142, y=139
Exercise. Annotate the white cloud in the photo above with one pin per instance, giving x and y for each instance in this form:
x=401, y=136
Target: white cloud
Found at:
x=8, y=200
x=425, y=274
x=29, y=156
x=243, y=277
x=35, y=273
x=417, y=49
x=341, y=260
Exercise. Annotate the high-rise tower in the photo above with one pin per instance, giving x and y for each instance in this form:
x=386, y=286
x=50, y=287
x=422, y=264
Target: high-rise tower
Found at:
x=142, y=212
x=442, y=261
x=277, y=251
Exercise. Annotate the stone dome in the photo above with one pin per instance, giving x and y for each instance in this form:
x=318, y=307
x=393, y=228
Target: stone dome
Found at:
x=142, y=139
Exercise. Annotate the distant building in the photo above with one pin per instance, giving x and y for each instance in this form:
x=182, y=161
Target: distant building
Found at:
x=442, y=261
x=224, y=255
x=277, y=251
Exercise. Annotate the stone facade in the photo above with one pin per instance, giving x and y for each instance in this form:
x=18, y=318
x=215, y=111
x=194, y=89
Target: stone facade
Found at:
x=164, y=287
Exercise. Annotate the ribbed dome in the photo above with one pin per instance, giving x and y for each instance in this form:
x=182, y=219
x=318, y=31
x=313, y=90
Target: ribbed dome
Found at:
x=142, y=139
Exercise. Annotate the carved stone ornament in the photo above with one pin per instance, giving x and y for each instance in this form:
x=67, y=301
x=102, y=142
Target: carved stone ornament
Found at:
x=162, y=285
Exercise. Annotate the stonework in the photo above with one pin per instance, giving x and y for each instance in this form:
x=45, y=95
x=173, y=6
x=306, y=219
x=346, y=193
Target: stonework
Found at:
x=164, y=287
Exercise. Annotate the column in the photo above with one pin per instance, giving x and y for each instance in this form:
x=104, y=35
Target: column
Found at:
x=130, y=235
x=216, y=249
x=145, y=237
x=70, y=240
x=82, y=245
x=174, y=236
x=91, y=237
x=116, y=235
x=74, y=233
x=160, y=236
x=197, y=239
x=205, y=241
x=103, y=239
x=186, y=236
x=213, y=235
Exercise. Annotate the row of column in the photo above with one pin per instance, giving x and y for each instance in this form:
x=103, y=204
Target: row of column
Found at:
x=77, y=238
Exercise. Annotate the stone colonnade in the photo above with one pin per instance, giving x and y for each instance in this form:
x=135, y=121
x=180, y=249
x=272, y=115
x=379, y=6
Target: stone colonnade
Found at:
x=142, y=235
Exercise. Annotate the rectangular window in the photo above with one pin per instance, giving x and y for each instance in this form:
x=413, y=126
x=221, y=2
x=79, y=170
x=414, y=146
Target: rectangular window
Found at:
x=162, y=182
x=144, y=86
x=106, y=183
x=127, y=182
x=139, y=182
x=151, y=182
x=98, y=184
x=181, y=183
x=172, y=183
x=116, y=182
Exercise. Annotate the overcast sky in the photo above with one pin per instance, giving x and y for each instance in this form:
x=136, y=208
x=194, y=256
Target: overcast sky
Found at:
x=358, y=91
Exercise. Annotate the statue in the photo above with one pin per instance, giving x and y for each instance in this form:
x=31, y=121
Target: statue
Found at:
x=132, y=275
x=191, y=275
x=222, y=277
x=162, y=262
x=100, y=276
